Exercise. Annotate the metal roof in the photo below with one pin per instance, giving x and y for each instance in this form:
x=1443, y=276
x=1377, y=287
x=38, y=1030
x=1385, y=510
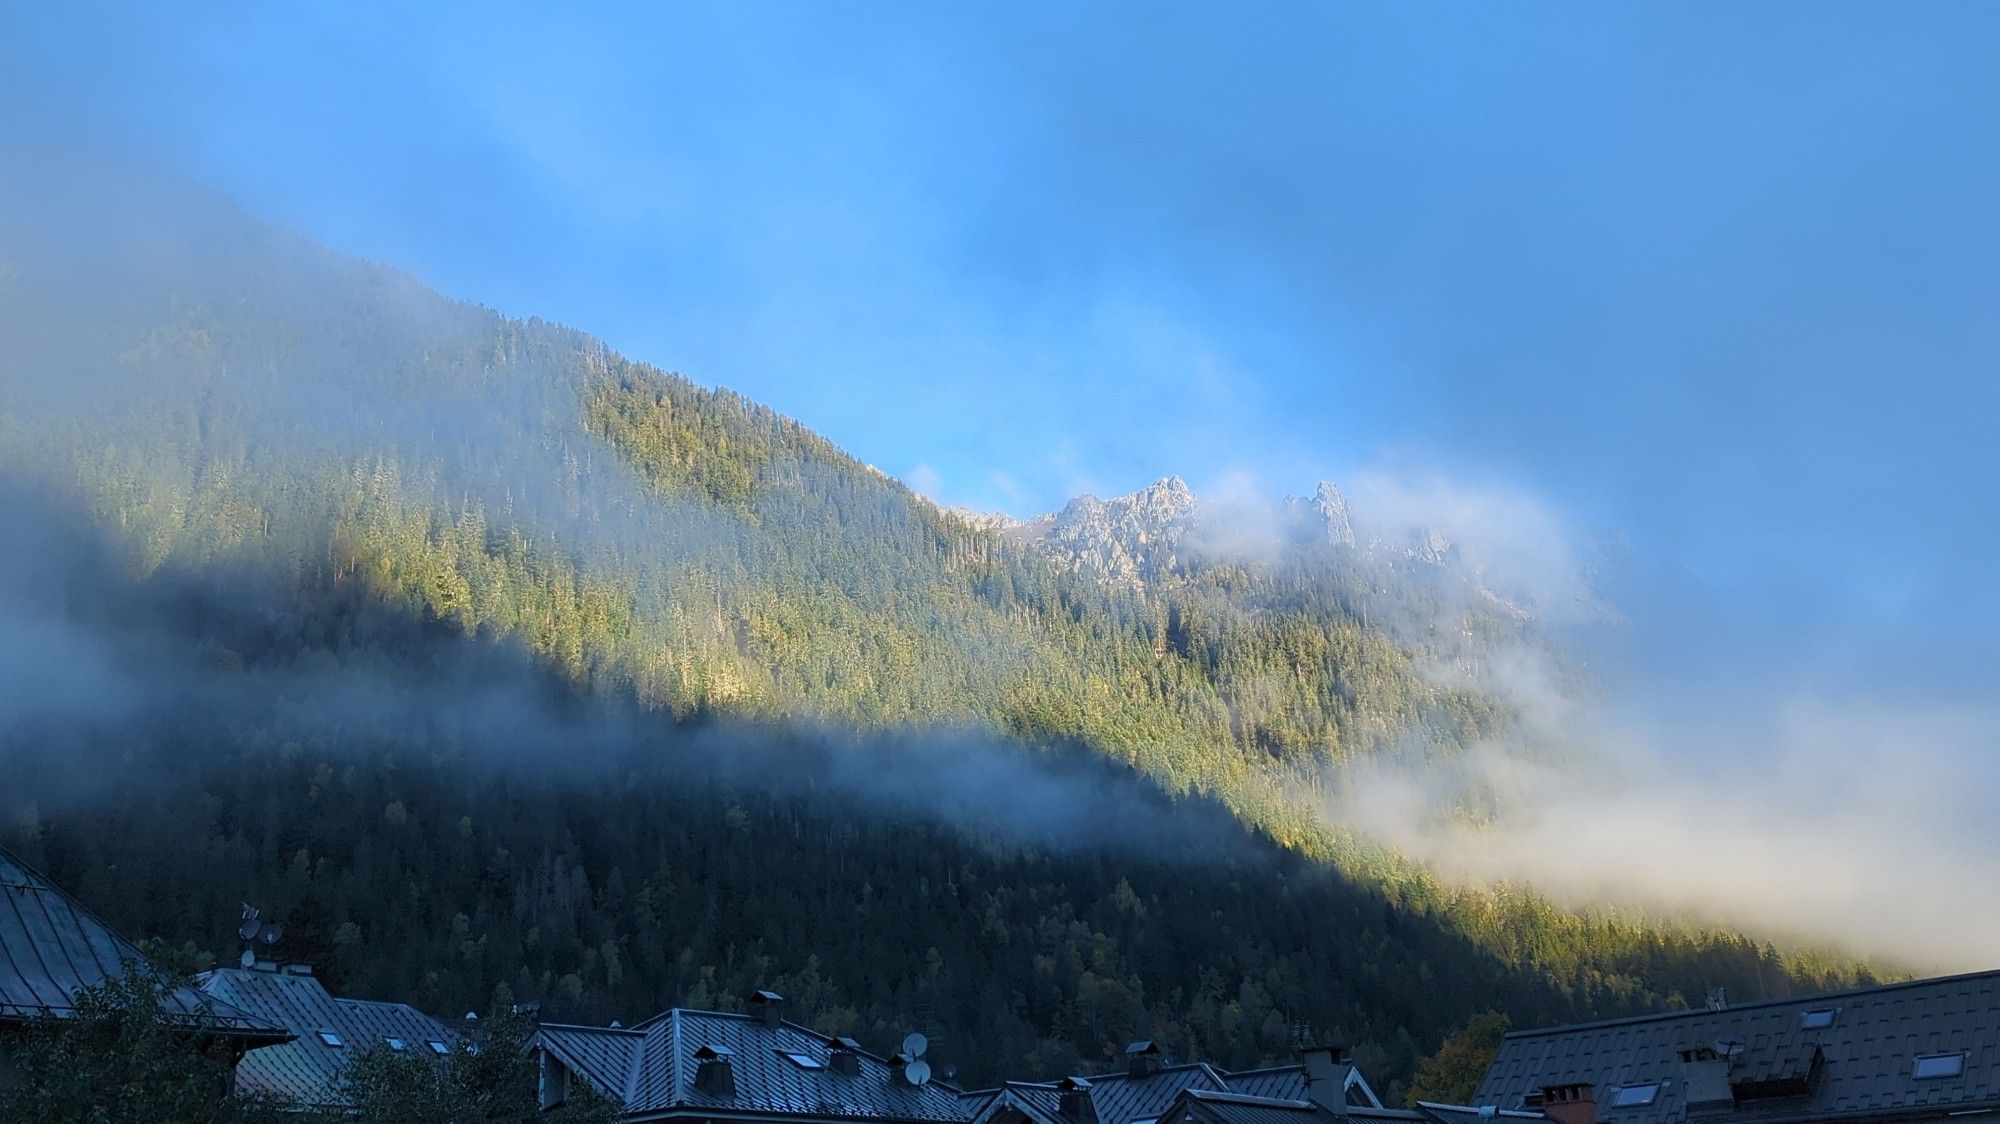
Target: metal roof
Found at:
x=1123, y=1097
x=1206, y=1106
x=1039, y=1102
x=308, y=1070
x=650, y=1070
x=51, y=947
x=1867, y=1055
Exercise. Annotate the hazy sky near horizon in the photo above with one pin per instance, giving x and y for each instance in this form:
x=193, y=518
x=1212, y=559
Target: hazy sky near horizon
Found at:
x=1716, y=282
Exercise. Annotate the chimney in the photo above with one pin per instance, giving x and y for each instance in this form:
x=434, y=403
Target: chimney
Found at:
x=844, y=1056
x=713, y=1073
x=769, y=1006
x=1570, y=1104
x=1076, y=1105
x=1142, y=1058
x=1327, y=1071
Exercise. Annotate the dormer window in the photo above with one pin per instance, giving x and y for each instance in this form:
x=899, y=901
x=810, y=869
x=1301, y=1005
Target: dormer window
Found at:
x=1938, y=1065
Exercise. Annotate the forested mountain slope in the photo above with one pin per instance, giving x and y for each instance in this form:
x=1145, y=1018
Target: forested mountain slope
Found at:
x=220, y=390
x=329, y=589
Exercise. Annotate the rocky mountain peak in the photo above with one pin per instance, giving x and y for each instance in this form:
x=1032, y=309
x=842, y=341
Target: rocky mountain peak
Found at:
x=1325, y=515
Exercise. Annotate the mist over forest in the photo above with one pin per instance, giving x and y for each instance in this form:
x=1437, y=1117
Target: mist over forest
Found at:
x=512, y=669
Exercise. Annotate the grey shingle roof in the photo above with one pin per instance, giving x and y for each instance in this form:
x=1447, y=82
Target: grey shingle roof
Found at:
x=50, y=946
x=1868, y=1052
x=307, y=1070
x=650, y=1070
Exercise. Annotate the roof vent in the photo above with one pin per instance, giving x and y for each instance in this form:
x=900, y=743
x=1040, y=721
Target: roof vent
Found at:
x=844, y=1056
x=1142, y=1058
x=769, y=1006
x=713, y=1073
x=1075, y=1102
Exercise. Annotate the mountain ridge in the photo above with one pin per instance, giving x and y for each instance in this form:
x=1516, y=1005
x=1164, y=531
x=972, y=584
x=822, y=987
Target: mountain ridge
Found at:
x=219, y=398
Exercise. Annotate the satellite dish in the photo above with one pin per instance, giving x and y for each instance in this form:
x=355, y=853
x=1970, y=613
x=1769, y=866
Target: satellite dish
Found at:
x=914, y=1045
x=917, y=1073
x=249, y=959
x=271, y=933
x=249, y=929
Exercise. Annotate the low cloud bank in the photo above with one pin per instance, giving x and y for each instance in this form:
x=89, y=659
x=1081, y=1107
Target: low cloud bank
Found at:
x=1798, y=812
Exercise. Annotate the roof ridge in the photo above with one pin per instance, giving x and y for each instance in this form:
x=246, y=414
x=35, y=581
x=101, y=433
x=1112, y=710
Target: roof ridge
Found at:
x=1230, y=1097
x=1462, y=1108
x=1127, y=1075
x=1756, y=1005
x=633, y=1031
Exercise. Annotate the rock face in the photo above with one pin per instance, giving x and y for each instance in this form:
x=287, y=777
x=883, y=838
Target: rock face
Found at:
x=1128, y=540
x=1142, y=538
x=998, y=522
x=1323, y=517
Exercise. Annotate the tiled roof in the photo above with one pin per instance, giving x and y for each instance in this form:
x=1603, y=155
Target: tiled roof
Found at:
x=308, y=1070
x=650, y=1070
x=51, y=946
x=1867, y=1050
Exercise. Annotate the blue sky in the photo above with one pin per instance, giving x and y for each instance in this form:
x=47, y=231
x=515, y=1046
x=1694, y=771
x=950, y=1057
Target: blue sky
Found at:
x=1716, y=282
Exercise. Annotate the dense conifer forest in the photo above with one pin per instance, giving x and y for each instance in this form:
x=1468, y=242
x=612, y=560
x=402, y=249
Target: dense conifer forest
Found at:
x=510, y=669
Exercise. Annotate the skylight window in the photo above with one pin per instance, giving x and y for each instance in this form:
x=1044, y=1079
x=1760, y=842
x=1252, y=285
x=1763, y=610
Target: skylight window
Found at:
x=803, y=1061
x=1938, y=1065
x=330, y=1038
x=439, y=1048
x=1819, y=1018
x=1633, y=1096
x=395, y=1044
